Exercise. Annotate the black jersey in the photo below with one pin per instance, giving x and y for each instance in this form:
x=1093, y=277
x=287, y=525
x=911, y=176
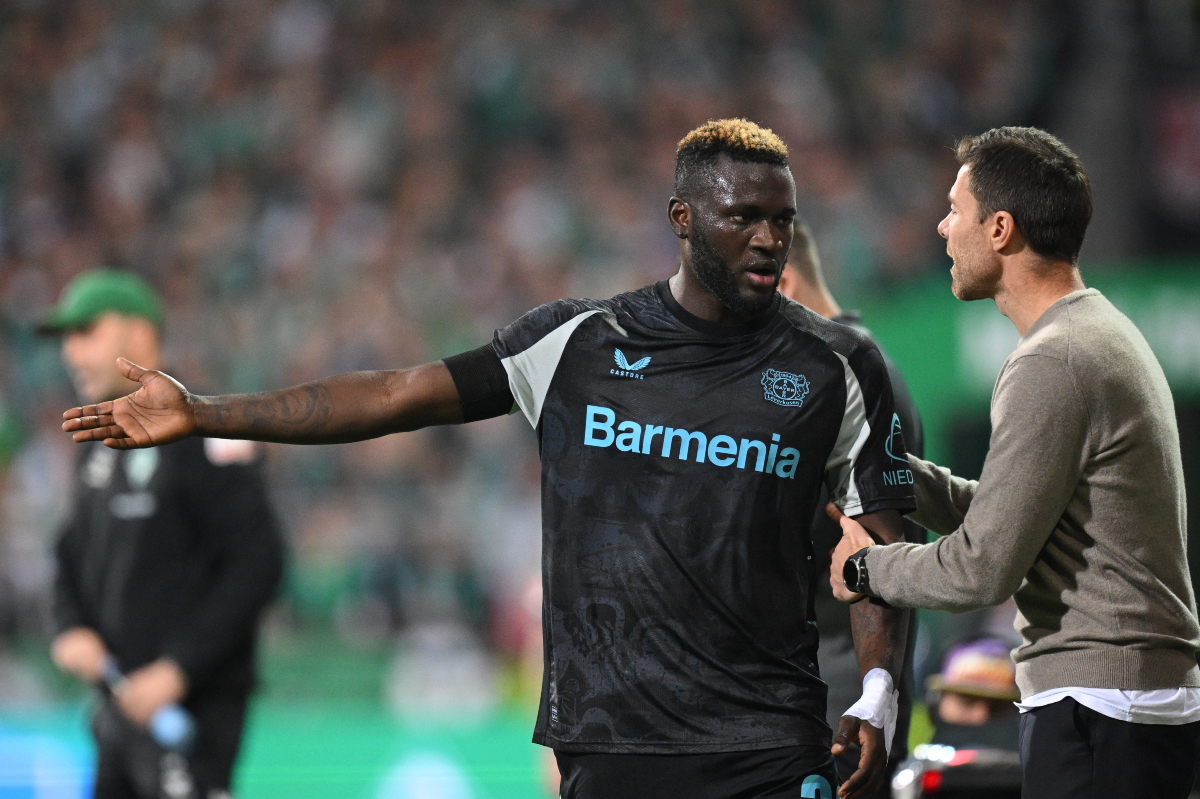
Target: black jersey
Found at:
x=681, y=465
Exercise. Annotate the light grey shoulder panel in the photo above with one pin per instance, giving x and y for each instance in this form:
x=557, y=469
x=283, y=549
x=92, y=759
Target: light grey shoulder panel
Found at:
x=531, y=370
x=853, y=434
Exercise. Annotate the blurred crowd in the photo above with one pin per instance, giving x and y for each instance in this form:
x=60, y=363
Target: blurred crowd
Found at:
x=319, y=187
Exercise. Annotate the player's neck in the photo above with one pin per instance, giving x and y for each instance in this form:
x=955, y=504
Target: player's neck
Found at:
x=1028, y=290
x=701, y=303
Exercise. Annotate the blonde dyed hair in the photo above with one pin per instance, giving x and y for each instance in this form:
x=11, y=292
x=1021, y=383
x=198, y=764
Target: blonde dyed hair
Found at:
x=735, y=136
x=740, y=139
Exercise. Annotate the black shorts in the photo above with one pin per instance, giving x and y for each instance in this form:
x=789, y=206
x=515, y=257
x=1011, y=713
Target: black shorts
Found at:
x=791, y=772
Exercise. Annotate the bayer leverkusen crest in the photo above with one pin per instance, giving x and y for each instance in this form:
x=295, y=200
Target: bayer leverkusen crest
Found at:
x=784, y=388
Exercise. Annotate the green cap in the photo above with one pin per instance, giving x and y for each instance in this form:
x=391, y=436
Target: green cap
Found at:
x=99, y=291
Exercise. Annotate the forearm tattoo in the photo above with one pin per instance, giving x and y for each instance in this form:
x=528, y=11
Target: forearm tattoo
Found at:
x=348, y=407
x=303, y=414
x=303, y=409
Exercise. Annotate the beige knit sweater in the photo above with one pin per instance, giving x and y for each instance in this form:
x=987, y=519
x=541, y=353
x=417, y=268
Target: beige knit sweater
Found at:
x=1079, y=512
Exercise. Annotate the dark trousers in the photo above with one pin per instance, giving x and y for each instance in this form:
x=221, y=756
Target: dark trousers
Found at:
x=1069, y=751
x=131, y=765
x=790, y=772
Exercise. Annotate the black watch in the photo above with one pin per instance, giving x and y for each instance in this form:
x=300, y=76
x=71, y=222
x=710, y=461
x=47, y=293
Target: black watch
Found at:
x=854, y=573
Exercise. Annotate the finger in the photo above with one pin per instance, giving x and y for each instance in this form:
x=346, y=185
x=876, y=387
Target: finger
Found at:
x=853, y=788
x=847, y=732
x=868, y=739
x=87, y=423
x=855, y=533
x=844, y=595
x=841, y=593
x=834, y=512
x=109, y=432
x=871, y=763
x=120, y=443
x=132, y=370
x=851, y=528
x=89, y=410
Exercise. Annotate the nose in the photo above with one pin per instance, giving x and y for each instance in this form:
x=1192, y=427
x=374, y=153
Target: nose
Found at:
x=943, y=227
x=767, y=239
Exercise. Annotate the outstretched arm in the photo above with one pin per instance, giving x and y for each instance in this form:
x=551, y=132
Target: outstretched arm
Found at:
x=349, y=407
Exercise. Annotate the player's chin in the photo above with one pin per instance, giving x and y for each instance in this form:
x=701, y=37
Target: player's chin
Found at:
x=966, y=291
x=758, y=290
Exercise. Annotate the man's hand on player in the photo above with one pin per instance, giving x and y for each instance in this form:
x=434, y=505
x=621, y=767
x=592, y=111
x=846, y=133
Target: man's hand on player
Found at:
x=854, y=538
x=79, y=651
x=145, y=690
x=157, y=413
x=868, y=779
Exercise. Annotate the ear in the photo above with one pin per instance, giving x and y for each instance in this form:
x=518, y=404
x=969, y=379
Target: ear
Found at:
x=679, y=213
x=1003, y=232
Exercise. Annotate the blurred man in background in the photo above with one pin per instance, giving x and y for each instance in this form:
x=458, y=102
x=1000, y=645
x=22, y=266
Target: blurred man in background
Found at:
x=164, y=567
x=804, y=281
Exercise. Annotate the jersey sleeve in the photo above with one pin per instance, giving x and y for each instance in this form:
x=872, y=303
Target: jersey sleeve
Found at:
x=482, y=384
x=868, y=469
x=531, y=348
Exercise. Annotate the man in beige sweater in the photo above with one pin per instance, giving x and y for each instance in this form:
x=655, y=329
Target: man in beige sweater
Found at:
x=1080, y=510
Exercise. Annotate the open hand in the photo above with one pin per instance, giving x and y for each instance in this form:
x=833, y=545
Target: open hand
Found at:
x=867, y=780
x=157, y=413
x=854, y=538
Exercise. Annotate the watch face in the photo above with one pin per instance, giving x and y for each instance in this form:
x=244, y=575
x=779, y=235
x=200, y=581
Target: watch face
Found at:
x=850, y=575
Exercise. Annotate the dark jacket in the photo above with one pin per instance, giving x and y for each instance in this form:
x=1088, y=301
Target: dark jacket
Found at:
x=172, y=551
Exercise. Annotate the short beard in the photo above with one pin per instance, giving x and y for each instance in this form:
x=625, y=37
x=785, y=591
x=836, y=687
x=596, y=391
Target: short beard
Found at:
x=974, y=280
x=716, y=276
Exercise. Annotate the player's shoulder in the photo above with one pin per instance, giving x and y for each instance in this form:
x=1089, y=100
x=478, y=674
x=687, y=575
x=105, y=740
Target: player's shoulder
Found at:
x=625, y=304
x=566, y=315
x=848, y=341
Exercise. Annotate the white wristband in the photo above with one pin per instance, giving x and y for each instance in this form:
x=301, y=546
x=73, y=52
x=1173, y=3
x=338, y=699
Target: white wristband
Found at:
x=879, y=704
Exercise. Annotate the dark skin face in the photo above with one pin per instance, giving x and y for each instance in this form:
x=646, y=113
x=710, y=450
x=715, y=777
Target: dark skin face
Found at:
x=735, y=231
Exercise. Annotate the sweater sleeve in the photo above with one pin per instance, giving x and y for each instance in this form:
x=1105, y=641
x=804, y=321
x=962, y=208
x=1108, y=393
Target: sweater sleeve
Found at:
x=942, y=498
x=1034, y=462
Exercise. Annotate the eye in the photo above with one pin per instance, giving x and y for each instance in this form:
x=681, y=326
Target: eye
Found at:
x=739, y=218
